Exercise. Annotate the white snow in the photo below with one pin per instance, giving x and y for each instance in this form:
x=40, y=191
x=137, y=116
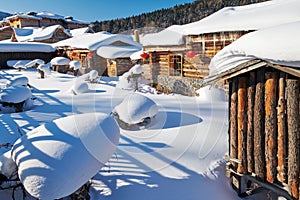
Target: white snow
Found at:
x=7, y=166
x=113, y=52
x=75, y=64
x=249, y=17
x=60, y=61
x=26, y=47
x=211, y=94
x=136, y=69
x=79, y=31
x=135, y=108
x=15, y=94
x=179, y=156
x=276, y=45
x=80, y=87
x=93, y=76
x=57, y=158
x=45, y=68
x=17, y=81
x=34, y=62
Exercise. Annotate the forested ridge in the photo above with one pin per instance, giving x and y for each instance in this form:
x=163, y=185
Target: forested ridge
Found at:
x=179, y=14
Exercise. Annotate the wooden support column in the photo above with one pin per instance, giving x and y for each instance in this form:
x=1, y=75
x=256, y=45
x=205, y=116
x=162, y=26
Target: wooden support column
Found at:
x=233, y=147
x=271, y=125
x=259, y=131
x=242, y=125
x=250, y=126
x=282, y=135
x=293, y=136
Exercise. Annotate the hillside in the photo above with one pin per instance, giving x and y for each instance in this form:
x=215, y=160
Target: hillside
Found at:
x=179, y=14
x=3, y=15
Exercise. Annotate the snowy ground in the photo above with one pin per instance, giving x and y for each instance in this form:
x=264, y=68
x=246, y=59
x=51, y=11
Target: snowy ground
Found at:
x=179, y=156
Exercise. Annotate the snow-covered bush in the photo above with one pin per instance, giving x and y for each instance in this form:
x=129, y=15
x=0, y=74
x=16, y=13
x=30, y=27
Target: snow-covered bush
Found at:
x=18, y=81
x=15, y=99
x=8, y=167
x=131, y=79
x=34, y=63
x=20, y=65
x=135, y=109
x=211, y=94
x=44, y=69
x=74, y=64
x=57, y=158
x=60, y=61
x=80, y=87
x=93, y=76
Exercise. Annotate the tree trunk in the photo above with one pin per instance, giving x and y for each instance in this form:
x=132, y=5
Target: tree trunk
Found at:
x=282, y=135
x=250, y=139
x=233, y=121
x=242, y=125
x=293, y=136
x=259, y=135
x=270, y=125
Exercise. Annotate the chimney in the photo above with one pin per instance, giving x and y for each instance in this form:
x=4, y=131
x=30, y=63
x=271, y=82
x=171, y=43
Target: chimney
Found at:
x=136, y=36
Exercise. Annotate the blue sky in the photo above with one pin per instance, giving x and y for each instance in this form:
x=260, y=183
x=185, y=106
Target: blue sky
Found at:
x=89, y=10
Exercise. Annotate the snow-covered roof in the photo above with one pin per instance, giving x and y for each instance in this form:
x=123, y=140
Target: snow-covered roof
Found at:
x=93, y=41
x=112, y=52
x=248, y=17
x=37, y=34
x=278, y=45
x=80, y=31
x=167, y=37
x=25, y=47
x=44, y=14
x=60, y=61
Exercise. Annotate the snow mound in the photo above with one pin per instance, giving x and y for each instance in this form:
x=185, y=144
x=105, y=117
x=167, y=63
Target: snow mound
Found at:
x=136, y=69
x=75, y=64
x=7, y=166
x=20, y=64
x=135, y=108
x=93, y=76
x=15, y=94
x=57, y=158
x=132, y=79
x=34, y=63
x=17, y=81
x=45, y=68
x=60, y=61
x=212, y=94
x=80, y=87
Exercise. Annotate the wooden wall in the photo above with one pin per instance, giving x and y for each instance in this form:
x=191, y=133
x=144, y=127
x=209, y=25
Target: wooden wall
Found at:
x=264, y=129
x=6, y=33
x=119, y=66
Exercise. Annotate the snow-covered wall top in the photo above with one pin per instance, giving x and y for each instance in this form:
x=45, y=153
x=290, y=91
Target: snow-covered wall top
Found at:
x=278, y=45
x=249, y=17
x=37, y=34
x=25, y=47
x=94, y=41
x=43, y=14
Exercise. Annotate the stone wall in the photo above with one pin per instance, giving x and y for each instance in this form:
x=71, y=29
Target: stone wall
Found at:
x=179, y=85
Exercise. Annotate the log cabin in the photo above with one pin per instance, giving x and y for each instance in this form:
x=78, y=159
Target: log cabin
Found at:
x=6, y=33
x=183, y=53
x=40, y=19
x=264, y=109
x=107, y=53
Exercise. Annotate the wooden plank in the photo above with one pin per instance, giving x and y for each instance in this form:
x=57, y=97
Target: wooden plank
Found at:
x=259, y=132
x=293, y=136
x=233, y=146
x=250, y=124
x=270, y=125
x=242, y=124
x=282, y=135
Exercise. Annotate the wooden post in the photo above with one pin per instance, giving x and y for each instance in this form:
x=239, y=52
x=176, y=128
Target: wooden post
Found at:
x=242, y=125
x=293, y=136
x=259, y=135
x=271, y=125
x=250, y=111
x=233, y=147
x=282, y=135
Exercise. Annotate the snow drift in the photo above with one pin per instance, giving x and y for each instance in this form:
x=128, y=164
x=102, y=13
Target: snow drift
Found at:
x=57, y=158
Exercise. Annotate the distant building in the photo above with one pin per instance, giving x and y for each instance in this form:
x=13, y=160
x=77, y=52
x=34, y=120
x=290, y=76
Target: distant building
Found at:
x=41, y=19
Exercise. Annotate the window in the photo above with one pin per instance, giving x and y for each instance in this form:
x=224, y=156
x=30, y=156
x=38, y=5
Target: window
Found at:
x=175, y=65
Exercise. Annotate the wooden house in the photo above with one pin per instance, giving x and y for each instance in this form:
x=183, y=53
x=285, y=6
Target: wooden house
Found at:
x=50, y=34
x=264, y=109
x=187, y=56
x=6, y=33
x=107, y=53
x=41, y=19
x=14, y=51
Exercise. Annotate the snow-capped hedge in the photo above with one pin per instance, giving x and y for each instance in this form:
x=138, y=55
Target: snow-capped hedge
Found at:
x=57, y=158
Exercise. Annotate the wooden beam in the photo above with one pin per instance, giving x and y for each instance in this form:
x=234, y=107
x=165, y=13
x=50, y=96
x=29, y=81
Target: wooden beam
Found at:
x=259, y=132
x=242, y=124
x=250, y=124
x=270, y=125
x=282, y=135
x=233, y=146
x=293, y=136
